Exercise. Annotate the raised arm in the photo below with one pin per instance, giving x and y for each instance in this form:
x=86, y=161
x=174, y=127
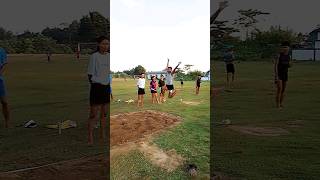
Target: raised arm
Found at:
x=174, y=70
x=222, y=6
x=167, y=65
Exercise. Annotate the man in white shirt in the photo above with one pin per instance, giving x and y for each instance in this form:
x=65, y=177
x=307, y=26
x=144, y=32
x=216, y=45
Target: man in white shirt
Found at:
x=141, y=92
x=169, y=79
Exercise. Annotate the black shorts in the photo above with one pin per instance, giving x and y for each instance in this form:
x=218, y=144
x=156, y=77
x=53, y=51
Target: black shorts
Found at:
x=153, y=91
x=170, y=87
x=99, y=94
x=198, y=84
x=181, y=83
x=283, y=75
x=230, y=68
x=141, y=91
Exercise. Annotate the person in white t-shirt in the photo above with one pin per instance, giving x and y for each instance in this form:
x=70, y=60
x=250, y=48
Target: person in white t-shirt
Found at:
x=98, y=75
x=169, y=79
x=141, y=92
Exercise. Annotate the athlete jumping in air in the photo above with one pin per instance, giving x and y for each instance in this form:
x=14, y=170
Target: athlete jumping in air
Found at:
x=169, y=79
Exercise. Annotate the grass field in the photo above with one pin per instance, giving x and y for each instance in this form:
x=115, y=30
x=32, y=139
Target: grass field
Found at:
x=251, y=103
x=46, y=93
x=190, y=139
x=50, y=92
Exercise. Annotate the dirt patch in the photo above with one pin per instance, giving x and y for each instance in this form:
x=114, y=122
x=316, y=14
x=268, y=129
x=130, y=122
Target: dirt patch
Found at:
x=192, y=103
x=169, y=160
x=260, y=131
x=136, y=130
x=122, y=149
x=92, y=168
x=129, y=127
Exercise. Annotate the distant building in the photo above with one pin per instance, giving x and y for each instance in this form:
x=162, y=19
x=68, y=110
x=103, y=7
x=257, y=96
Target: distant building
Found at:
x=206, y=77
x=310, y=49
x=155, y=73
x=314, y=38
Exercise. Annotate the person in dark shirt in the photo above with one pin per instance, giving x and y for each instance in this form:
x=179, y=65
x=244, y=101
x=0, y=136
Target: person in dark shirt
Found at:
x=198, y=81
x=229, y=59
x=281, y=66
x=162, y=86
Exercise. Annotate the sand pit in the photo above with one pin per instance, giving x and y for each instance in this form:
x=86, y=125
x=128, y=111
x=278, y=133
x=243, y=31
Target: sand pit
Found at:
x=128, y=127
x=260, y=131
x=92, y=168
x=135, y=130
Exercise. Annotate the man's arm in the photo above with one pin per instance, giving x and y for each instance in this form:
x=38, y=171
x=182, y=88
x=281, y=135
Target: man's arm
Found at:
x=167, y=65
x=174, y=70
x=90, y=78
x=91, y=68
x=214, y=16
x=2, y=68
x=222, y=6
x=276, y=61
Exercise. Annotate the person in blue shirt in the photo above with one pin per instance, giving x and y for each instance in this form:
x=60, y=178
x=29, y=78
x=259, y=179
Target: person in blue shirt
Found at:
x=110, y=89
x=3, y=94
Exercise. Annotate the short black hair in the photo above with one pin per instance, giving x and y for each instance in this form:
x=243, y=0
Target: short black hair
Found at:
x=101, y=38
x=169, y=67
x=285, y=43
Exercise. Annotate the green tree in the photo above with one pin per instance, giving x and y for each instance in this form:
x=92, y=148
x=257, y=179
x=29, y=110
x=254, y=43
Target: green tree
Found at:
x=139, y=69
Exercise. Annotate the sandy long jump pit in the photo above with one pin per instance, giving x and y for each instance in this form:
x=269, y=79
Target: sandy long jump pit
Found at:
x=128, y=127
x=128, y=131
x=135, y=130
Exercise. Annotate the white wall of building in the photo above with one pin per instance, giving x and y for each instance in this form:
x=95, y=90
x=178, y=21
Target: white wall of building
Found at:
x=305, y=54
x=317, y=44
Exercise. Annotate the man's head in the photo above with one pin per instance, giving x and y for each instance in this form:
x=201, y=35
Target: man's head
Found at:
x=142, y=75
x=285, y=47
x=169, y=69
x=103, y=44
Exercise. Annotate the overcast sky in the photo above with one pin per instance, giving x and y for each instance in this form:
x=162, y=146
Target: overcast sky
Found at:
x=299, y=15
x=147, y=32
x=35, y=15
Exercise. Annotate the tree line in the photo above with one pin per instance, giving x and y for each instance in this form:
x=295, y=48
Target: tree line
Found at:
x=182, y=73
x=257, y=44
x=62, y=39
